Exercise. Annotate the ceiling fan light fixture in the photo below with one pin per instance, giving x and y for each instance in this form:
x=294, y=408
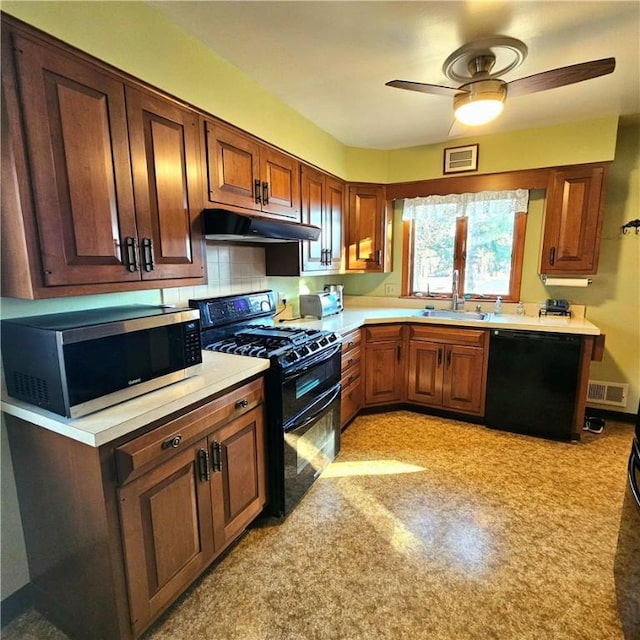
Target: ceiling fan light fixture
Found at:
x=481, y=103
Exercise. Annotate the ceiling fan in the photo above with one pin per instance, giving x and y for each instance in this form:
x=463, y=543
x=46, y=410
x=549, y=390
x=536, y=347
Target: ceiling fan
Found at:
x=481, y=94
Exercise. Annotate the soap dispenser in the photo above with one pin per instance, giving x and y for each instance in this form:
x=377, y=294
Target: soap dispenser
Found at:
x=497, y=307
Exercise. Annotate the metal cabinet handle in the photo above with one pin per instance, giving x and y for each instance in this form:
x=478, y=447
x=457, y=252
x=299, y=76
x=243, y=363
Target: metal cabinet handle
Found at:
x=448, y=357
x=241, y=404
x=203, y=465
x=398, y=352
x=216, y=453
x=379, y=256
x=552, y=256
x=173, y=442
x=265, y=193
x=256, y=191
x=439, y=356
x=147, y=254
x=131, y=253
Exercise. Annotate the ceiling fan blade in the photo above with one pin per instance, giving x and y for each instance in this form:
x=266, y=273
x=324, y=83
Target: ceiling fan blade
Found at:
x=436, y=89
x=561, y=77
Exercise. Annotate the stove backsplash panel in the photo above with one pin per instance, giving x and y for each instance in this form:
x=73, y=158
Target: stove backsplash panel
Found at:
x=230, y=268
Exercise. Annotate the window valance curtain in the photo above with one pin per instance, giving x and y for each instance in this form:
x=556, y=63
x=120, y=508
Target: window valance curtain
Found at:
x=467, y=204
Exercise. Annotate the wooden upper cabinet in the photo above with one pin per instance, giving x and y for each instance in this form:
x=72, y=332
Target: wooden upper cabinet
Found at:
x=77, y=145
x=573, y=221
x=368, y=232
x=165, y=157
x=322, y=206
x=105, y=184
x=241, y=172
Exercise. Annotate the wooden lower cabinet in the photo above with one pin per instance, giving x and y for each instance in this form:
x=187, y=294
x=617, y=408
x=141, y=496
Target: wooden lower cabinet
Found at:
x=167, y=530
x=182, y=512
x=447, y=368
x=384, y=364
x=351, y=399
x=115, y=534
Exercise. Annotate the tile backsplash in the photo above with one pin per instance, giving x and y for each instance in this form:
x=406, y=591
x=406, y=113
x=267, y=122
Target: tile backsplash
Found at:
x=230, y=269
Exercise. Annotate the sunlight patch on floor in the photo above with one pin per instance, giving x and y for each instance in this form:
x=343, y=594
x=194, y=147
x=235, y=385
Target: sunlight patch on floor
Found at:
x=368, y=468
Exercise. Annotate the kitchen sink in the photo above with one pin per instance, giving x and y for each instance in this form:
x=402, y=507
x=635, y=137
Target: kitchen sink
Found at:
x=449, y=314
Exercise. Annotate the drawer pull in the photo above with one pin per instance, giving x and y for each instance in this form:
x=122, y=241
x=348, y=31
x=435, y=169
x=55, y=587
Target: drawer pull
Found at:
x=241, y=404
x=172, y=443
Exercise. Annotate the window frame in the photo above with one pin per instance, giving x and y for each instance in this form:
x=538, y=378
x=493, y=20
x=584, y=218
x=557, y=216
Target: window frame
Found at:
x=460, y=257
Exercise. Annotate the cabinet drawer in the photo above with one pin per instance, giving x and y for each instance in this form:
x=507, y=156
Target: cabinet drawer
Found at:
x=381, y=333
x=351, y=341
x=137, y=456
x=455, y=335
x=350, y=375
x=350, y=359
x=351, y=402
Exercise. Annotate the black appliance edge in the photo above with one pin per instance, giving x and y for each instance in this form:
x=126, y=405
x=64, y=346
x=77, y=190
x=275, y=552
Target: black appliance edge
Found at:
x=222, y=224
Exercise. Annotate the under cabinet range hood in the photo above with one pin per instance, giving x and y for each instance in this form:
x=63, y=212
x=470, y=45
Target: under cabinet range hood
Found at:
x=222, y=224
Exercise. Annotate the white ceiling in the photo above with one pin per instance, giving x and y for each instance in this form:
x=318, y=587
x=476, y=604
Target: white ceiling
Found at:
x=330, y=60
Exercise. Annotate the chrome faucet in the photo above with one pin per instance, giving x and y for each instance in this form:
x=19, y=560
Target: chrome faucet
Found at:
x=457, y=301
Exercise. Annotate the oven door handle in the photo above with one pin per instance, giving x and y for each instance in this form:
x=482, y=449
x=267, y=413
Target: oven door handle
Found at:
x=325, y=406
x=309, y=364
x=634, y=466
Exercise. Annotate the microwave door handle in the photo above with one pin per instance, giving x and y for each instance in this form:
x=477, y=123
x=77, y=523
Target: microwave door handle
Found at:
x=317, y=413
x=308, y=364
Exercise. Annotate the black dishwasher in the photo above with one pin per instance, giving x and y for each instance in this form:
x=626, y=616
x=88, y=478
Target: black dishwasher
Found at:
x=532, y=382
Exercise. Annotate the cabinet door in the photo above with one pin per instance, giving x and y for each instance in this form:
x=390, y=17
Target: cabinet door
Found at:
x=233, y=168
x=333, y=221
x=384, y=365
x=280, y=189
x=164, y=152
x=167, y=531
x=573, y=221
x=365, y=240
x=76, y=134
x=313, y=208
x=425, y=370
x=463, y=387
x=238, y=477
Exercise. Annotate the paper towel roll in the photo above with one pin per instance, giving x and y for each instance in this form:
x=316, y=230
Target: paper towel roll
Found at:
x=566, y=282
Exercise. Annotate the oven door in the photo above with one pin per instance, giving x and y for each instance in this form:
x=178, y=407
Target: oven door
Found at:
x=304, y=382
x=311, y=442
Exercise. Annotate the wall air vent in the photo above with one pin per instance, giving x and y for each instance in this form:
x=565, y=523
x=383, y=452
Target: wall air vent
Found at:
x=614, y=393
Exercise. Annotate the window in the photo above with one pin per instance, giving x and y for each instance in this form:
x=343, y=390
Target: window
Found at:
x=479, y=234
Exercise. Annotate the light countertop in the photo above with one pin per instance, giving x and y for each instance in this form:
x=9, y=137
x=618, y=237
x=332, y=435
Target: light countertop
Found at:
x=353, y=317
x=219, y=371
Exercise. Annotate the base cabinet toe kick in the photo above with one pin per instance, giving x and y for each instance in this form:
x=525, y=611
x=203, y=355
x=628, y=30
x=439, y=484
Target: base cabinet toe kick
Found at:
x=115, y=534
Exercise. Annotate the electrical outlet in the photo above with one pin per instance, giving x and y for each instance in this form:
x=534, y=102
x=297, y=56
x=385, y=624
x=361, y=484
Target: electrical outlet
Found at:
x=281, y=297
x=389, y=289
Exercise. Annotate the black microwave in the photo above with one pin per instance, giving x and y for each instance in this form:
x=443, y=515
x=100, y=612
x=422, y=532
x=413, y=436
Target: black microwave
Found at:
x=79, y=362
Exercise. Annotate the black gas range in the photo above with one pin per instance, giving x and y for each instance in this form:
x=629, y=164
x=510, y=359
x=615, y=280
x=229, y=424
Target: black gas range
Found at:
x=302, y=388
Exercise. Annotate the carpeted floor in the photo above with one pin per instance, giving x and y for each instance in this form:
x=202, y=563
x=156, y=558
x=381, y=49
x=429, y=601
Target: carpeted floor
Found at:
x=424, y=528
